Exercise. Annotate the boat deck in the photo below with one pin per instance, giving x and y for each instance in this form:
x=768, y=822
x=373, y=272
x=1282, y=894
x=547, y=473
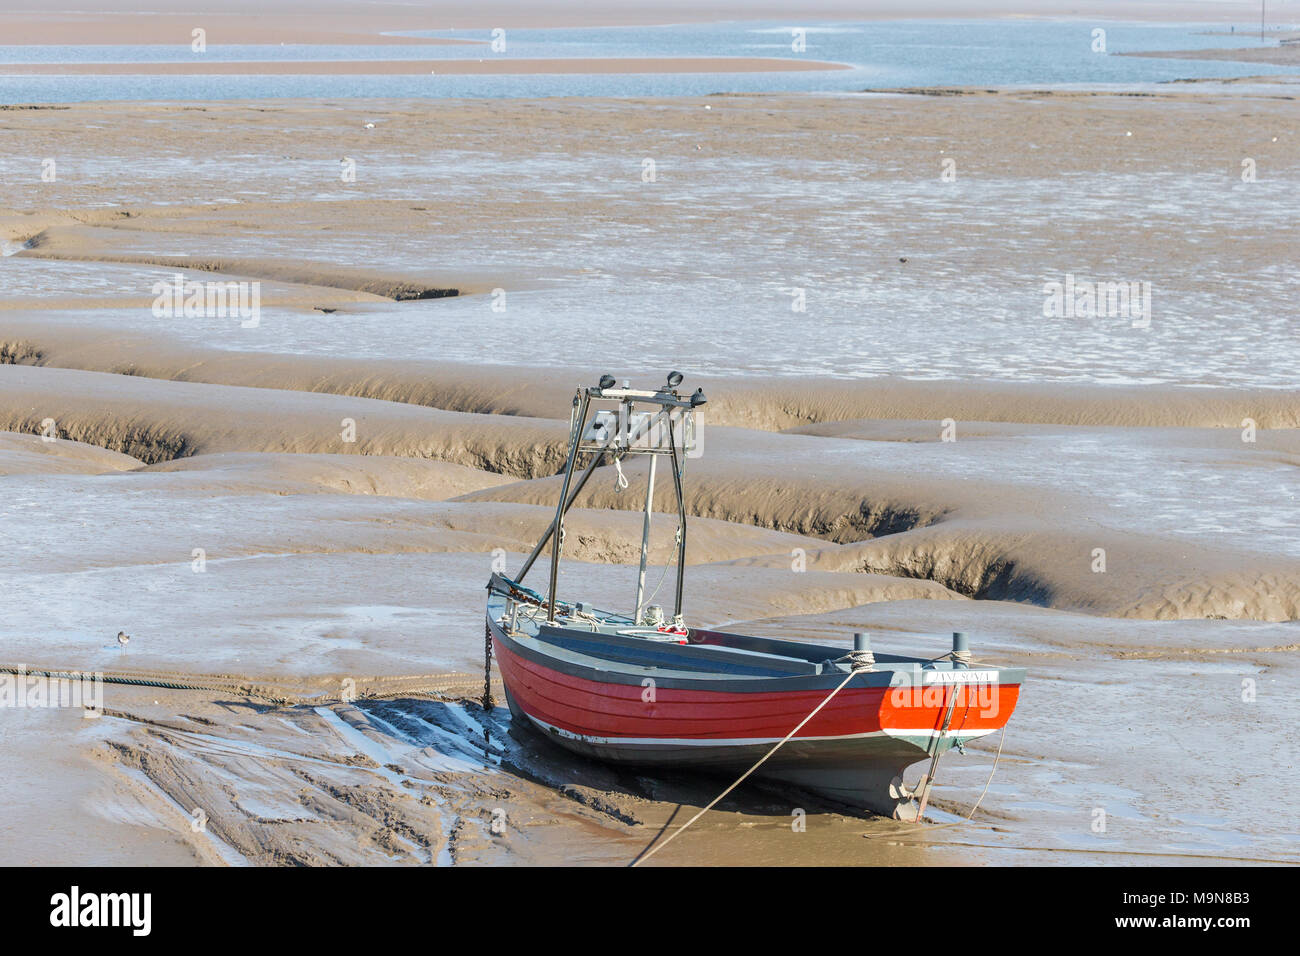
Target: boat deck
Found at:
x=602, y=642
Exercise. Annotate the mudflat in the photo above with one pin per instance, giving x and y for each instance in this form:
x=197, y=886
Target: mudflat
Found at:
x=294, y=520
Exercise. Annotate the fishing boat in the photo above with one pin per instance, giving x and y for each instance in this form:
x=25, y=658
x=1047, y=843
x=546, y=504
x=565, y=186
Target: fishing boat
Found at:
x=647, y=690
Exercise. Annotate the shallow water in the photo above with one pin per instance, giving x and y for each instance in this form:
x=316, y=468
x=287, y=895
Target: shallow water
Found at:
x=883, y=54
x=969, y=303
x=1238, y=498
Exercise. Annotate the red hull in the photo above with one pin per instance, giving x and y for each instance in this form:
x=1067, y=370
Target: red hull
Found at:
x=611, y=711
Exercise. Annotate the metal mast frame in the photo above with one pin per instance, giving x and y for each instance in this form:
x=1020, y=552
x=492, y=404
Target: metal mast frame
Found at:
x=621, y=441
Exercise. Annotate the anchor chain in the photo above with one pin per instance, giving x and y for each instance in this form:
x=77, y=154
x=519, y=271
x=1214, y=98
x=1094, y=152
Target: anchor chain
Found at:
x=488, y=702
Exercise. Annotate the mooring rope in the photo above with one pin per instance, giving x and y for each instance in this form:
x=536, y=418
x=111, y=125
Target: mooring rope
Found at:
x=645, y=855
x=955, y=823
x=928, y=780
x=987, y=783
x=453, y=683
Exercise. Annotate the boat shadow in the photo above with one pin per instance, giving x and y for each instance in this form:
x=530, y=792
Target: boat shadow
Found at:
x=495, y=741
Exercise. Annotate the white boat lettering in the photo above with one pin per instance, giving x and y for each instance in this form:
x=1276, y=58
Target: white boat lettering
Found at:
x=983, y=696
x=961, y=677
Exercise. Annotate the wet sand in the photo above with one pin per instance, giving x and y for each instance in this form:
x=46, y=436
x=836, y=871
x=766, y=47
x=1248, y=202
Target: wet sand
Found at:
x=1274, y=55
x=330, y=554
x=202, y=495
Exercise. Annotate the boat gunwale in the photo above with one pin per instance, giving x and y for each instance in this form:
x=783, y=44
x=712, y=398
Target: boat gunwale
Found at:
x=605, y=670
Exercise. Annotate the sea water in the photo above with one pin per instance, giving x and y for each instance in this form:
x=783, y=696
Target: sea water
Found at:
x=882, y=55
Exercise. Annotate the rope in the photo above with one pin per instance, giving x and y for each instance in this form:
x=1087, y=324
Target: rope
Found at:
x=655, y=849
x=664, y=577
x=928, y=781
x=621, y=481
x=956, y=823
x=988, y=783
x=456, y=683
x=858, y=660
